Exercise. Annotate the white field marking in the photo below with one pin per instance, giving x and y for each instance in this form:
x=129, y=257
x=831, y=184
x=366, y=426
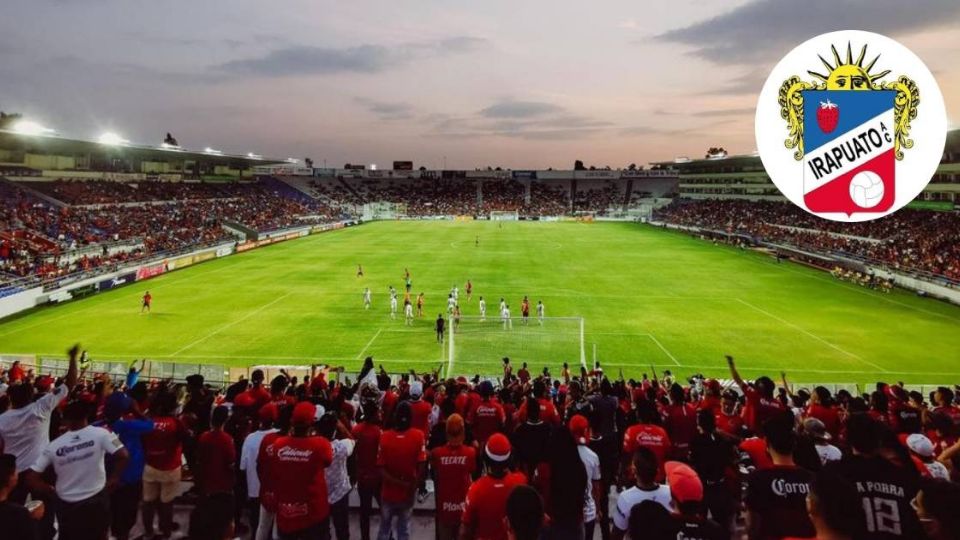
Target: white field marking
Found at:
x=228, y=325
x=814, y=336
x=308, y=359
x=791, y=370
x=664, y=349
x=367, y=346
x=857, y=289
x=324, y=358
x=112, y=300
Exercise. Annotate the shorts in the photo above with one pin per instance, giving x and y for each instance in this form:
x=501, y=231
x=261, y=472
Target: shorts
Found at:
x=162, y=485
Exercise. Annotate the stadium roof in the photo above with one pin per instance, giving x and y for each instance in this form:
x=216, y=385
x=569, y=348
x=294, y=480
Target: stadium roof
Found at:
x=952, y=147
x=49, y=144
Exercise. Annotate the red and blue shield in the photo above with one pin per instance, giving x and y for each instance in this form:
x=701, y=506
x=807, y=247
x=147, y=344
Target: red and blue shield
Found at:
x=849, y=164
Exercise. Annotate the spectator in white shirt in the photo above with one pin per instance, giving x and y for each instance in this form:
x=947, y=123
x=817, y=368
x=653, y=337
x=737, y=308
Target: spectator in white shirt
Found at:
x=82, y=487
x=821, y=440
x=248, y=459
x=645, y=469
x=25, y=430
x=338, y=483
x=580, y=429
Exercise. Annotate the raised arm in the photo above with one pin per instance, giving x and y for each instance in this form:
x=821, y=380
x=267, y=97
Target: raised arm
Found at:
x=734, y=374
x=72, y=371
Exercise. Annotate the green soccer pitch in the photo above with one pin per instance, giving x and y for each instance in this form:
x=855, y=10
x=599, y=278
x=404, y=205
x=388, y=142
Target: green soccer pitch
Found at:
x=647, y=296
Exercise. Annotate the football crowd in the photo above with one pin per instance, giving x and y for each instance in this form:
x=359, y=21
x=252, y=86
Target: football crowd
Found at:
x=38, y=238
x=576, y=455
x=909, y=240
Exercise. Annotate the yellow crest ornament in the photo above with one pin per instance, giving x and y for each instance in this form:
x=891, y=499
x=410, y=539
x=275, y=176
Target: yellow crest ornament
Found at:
x=859, y=142
x=849, y=75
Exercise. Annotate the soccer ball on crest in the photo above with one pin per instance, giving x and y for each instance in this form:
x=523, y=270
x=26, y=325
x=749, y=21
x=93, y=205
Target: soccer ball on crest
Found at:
x=866, y=189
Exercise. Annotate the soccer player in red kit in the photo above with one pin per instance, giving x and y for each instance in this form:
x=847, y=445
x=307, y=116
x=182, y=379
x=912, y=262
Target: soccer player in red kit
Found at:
x=299, y=461
x=147, y=300
x=453, y=465
x=469, y=289
x=525, y=310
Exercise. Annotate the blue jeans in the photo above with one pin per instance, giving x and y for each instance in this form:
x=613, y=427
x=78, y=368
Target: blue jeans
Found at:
x=402, y=512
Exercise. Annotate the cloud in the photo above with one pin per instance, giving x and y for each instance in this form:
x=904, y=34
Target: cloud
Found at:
x=530, y=120
x=366, y=59
x=302, y=60
x=386, y=110
x=745, y=111
x=763, y=30
x=628, y=24
x=519, y=109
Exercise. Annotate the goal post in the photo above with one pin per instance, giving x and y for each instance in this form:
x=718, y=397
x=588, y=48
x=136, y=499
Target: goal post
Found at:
x=504, y=215
x=478, y=344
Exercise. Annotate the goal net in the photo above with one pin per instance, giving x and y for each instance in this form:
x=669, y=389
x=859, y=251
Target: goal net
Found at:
x=477, y=345
x=504, y=215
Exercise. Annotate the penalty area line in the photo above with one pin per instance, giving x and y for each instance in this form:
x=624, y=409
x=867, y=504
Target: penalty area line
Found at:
x=228, y=325
x=664, y=349
x=810, y=334
x=367, y=346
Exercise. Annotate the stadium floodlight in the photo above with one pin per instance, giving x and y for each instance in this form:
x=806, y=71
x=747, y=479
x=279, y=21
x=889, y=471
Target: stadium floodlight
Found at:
x=112, y=139
x=168, y=146
x=212, y=151
x=373, y=166
x=251, y=155
x=293, y=160
x=27, y=127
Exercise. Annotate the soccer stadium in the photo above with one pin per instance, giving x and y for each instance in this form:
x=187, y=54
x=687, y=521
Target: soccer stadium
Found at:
x=206, y=344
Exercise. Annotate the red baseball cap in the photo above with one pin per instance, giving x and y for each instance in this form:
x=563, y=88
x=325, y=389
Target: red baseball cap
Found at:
x=269, y=412
x=304, y=414
x=498, y=447
x=684, y=483
x=579, y=428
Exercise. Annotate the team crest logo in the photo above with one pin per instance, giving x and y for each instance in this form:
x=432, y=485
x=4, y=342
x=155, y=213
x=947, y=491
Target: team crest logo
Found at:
x=851, y=140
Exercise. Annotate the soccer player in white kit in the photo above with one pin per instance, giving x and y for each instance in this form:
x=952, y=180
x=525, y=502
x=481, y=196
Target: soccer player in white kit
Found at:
x=505, y=317
x=456, y=293
x=451, y=301
x=540, y=311
x=483, y=309
x=408, y=312
x=366, y=298
x=393, y=307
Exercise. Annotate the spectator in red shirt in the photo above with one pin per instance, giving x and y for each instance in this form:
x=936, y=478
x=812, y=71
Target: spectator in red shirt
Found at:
x=728, y=418
x=485, y=507
x=680, y=421
x=523, y=374
x=402, y=459
x=163, y=451
x=216, y=456
x=760, y=402
x=453, y=465
x=419, y=408
x=647, y=434
x=488, y=417
x=265, y=455
x=548, y=412
x=367, y=434
x=298, y=467
x=821, y=407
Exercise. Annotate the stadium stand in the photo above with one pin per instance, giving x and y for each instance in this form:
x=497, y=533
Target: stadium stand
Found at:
x=909, y=240
x=730, y=457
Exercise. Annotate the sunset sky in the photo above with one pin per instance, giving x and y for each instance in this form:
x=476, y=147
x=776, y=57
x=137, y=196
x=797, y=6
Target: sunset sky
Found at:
x=520, y=83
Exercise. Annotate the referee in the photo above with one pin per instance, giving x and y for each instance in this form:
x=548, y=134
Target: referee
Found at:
x=440, y=325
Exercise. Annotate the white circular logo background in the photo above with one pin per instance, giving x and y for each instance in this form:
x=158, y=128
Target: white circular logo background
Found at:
x=928, y=130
